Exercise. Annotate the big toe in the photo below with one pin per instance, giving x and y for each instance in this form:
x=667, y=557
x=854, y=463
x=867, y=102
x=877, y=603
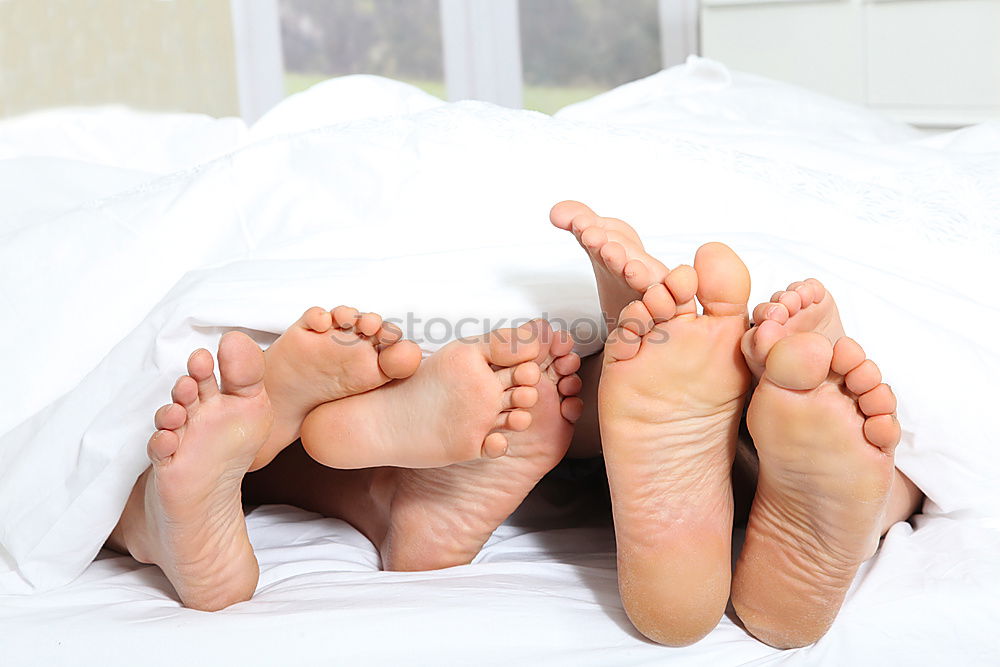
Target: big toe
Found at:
x=723, y=280
x=562, y=214
x=800, y=361
x=241, y=365
x=400, y=360
x=509, y=347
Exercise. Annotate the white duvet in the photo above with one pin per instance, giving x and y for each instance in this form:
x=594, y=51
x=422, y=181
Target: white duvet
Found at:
x=127, y=240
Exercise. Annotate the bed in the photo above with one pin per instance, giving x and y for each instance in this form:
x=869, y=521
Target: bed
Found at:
x=128, y=239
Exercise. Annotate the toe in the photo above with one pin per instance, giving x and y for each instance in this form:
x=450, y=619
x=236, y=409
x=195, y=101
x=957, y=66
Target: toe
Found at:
x=791, y=301
x=805, y=292
x=614, y=257
x=683, y=285
x=562, y=214
x=882, y=431
x=494, y=446
x=519, y=397
x=748, y=347
x=543, y=332
x=864, y=378
x=527, y=374
x=592, y=238
x=818, y=289
x=638, y=276
x=567, y=364
x=571, y=409
x=170, y=417
x=770, y=311
x=162, y=445
x=200, y=366
x=847, y=355
x=513, y=420
x=723, y=280
x=562, y=344
x=509, y=347
x=389, y=334
x=878, y=401
x=757, y=343
x=800, y=361
x=316, y=319
x=571, y=385
x=185, y=391
x=623, y=344
x=345, y=317
x=400, y=360
x=636, y=318
x=583, y=221
x=659, y=303
x=241, y=365
x=369, y=323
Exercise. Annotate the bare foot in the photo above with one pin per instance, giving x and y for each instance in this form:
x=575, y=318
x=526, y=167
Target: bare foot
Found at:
x=441, y=517
x=460, y=405
x=671, y=397
x=622, y=267
x=825, y=430
x=185, y=512
x=325, y=356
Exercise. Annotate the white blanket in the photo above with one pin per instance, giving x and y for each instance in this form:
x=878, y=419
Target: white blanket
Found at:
x=128, y=240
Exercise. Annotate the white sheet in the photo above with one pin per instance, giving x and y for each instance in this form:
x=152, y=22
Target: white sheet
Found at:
x=902, y=228
x=537, y=597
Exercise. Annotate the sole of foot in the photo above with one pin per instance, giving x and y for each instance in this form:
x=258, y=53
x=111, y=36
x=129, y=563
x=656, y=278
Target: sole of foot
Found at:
x=325, y=356
x=441, y=517
x=622, y=266
x=671, y=397
x=462, y=404
x=825, y=430
x=185, y=513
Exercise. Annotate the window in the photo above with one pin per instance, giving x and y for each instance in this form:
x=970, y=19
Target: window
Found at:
x=400, y=39
x=540, y=54
x=572, y=50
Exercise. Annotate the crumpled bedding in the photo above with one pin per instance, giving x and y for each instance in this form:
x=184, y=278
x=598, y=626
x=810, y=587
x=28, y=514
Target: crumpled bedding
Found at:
x=129, y=239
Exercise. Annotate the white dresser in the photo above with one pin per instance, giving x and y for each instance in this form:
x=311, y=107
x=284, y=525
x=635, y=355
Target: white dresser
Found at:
x=933, y=63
